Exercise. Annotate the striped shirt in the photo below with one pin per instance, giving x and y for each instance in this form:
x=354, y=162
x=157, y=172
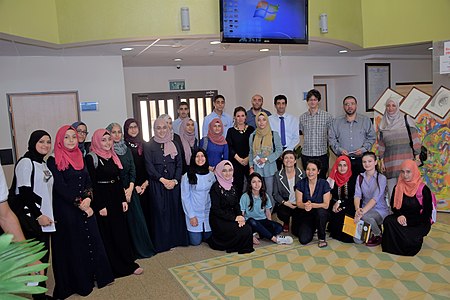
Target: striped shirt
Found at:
x=314, y=128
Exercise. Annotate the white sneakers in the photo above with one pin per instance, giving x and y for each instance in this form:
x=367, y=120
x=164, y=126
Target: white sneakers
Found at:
x=284, y=240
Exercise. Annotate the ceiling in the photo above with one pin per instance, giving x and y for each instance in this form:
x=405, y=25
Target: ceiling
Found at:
x=199, y=51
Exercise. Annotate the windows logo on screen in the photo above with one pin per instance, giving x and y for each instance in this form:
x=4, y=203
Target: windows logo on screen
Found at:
x=266, y=11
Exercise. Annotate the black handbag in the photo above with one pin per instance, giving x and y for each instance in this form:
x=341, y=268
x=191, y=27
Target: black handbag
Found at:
x=423, y=155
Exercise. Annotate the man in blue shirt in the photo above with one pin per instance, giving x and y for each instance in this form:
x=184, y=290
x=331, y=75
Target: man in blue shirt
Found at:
x=352, y=134
x=227, y=120
x=257, y=103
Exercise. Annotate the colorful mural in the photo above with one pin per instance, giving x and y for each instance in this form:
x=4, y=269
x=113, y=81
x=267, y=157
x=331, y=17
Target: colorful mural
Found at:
x=435, y=134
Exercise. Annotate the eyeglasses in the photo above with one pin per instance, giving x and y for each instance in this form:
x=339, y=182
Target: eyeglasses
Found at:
x=82, y=132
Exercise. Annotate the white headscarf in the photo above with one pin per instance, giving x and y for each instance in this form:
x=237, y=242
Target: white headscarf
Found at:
x=395, y=120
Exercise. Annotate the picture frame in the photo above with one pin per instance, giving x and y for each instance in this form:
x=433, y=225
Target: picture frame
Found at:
x=177, y=85
x=380, y=105
x=322, y=88
x=439, y=104
x=378, y=79
x=414, y=102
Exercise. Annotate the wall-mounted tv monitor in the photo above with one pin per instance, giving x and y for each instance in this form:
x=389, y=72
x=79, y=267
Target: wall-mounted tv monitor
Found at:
x=269, y=21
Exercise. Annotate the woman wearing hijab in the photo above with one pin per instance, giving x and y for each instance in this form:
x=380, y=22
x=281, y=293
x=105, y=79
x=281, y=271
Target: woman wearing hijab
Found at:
x=164, y=166
x=394, y=142
x=265, y=149
x=79, y=258
x=143, y=246
x=342, y=186
x=110, y=205
x=195, y=186
x=134, y=141
x=230, y=232
x=176, y=139
x=82, y=135
x=238, y=147
x=214, y=143
x=34, y=183
x=188, y=140
x=405, y=229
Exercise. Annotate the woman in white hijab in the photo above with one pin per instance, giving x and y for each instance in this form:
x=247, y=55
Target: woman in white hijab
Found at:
x=394, y=143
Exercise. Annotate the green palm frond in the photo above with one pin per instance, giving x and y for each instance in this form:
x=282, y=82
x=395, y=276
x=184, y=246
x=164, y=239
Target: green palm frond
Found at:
x=16, y=261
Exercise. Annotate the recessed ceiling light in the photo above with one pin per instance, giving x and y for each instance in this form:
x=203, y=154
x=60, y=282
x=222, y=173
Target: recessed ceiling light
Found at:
x=177, y=59
x=214, y=42
x=264, y=49
x=430, y=48
x=343, y=51
x=127, y=49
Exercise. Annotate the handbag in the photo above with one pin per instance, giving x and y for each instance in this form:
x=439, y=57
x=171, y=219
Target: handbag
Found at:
x=423, y=155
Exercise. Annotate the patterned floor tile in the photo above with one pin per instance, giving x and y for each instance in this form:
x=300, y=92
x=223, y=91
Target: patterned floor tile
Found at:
x=337, y=272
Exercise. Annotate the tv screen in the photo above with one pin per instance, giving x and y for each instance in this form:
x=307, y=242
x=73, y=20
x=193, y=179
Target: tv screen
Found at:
x=271, y=21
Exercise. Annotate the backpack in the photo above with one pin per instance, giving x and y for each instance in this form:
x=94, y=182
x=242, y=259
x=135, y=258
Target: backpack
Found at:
x=419, y=197
x=386, y=195
x=423, y=155
x=205, y=143
x=94, y=158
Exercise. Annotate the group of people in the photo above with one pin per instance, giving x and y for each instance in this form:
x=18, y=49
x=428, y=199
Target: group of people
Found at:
x=107, y=203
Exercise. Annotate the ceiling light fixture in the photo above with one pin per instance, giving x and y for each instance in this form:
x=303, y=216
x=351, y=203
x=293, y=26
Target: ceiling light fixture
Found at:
x=127, y=49
x=214, y=42
x=264, y=50
x=343, y=51
x=430, y=48
x=177, y=59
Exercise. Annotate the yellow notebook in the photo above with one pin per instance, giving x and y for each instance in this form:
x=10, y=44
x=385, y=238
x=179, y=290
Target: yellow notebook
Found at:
x=360, y=230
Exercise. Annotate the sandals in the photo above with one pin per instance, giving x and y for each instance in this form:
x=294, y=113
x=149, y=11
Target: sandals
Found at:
x=322, y=244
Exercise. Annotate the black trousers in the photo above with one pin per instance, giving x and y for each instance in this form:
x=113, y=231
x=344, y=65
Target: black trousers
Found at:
x=357, y=166
x=310, y=221
x=323, y=160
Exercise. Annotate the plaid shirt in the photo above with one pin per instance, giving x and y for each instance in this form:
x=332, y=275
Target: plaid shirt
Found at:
x=315, y=132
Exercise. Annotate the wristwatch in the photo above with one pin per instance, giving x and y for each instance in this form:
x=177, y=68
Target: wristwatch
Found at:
x=176, y=181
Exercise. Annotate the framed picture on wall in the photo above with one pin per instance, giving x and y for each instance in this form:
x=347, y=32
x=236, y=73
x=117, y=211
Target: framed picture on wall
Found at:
x=380, y=105
x=378, y=79
x=414, y=102
x=440, y=102
x=322, y=88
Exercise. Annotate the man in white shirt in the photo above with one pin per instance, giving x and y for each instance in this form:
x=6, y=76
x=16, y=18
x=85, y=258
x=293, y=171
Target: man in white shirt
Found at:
x=183, y=113
x=285, y=124
x=227, y=120
x=8, y=220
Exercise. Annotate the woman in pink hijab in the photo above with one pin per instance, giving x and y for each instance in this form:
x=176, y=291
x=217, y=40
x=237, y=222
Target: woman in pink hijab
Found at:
x=164, y=166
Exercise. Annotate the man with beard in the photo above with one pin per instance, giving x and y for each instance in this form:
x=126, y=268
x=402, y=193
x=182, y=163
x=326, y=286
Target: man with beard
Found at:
x=352, y=134
x=314, y=125
x=257, y=103
x=183, y=113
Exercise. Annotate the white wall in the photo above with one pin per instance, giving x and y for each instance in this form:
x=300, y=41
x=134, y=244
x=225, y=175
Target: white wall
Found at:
x=98, y=79
x=156, y=79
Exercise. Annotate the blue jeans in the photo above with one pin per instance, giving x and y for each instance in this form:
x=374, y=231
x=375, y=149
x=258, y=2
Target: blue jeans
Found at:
x=196, y=238
x=265, y=228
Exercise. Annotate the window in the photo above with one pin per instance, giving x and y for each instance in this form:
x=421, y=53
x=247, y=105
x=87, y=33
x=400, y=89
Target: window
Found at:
x=148, y=106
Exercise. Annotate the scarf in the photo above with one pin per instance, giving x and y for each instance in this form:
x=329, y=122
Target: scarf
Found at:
x=80, y=145
x=134, y=142
x=119, y=147
x=409, y=188
x=96, y=147
x=216, y=138
x=392, y=121
x=64, y=156
x=187, y=139
x=226, y=184
x=32, y=153
x=169, y=146
x=262, y=143
x=166, y=118
x=341, y=179
x=195, y=169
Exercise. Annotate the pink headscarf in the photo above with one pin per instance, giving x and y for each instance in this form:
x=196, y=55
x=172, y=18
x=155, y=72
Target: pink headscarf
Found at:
x=65, y=157
x=96, y=147
x=216, y=138
x=169, y=146
x=187, y=139
x=226, y=184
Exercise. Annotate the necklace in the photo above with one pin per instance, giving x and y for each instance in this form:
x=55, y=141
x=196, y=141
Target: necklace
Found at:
x=241, y=130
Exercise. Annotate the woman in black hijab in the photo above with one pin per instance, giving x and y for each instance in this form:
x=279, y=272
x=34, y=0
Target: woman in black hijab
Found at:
x=33, y=183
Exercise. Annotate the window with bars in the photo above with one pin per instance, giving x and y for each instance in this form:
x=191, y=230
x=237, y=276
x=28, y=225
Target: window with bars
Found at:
x=148, y=106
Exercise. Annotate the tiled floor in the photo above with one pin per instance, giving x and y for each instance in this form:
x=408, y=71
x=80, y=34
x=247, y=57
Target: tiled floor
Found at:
x=158, y=283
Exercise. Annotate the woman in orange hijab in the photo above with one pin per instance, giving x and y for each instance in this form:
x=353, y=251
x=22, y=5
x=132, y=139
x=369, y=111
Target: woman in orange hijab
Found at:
x=410, y=222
